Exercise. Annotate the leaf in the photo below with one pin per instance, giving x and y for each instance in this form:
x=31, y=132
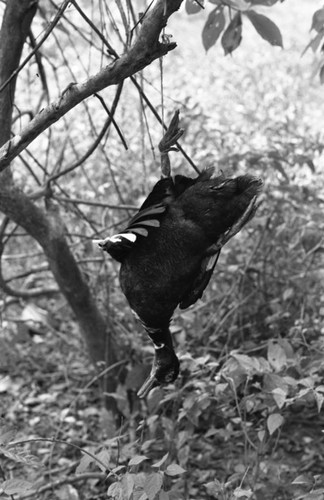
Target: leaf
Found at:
x=274, y=421
x=192, y=7
x=128, y=484
x=232, y=36
x=315, y=43
x=321, y=75
x=117, y=470
x=272, y=381
x=213, y=27
x=84, y=463
x=16, y=486
x=115, y=491
x=7, y=434
x=161, y=462
x=276, y=356
x=303, y=479
x=288, y=293
x=318, y=20
x=279, y=396
x=164, y=495
x=266, y=28
x=20, y=456
x=268, y=3
x=319, y=398
x=242, y=493
x=251, y=364
x=153, y=484
x=174, y=470
x=103, y=456
x=138, y=459
x=278, y=166
x=261, y=435
x=236, y=4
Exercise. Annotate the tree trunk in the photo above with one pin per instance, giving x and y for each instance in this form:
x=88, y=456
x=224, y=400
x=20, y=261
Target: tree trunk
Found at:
x=45, y=227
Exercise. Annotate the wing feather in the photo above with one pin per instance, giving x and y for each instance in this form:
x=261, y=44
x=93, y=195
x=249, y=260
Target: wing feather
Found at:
x=197, y=289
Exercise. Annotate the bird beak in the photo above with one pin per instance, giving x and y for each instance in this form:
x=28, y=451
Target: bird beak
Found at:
x=101, y=243
x=149, y=383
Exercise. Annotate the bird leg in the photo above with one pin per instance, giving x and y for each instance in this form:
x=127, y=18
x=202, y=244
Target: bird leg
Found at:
x=149, y=384
x=168, y=143
x=165, y=368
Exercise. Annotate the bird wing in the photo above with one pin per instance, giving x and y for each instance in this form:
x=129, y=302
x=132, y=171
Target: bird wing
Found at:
x=198, y=286
x=149, y=216
x=153, y=208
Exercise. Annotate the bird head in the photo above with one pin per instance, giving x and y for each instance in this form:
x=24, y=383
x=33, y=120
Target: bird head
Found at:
x=216, y=204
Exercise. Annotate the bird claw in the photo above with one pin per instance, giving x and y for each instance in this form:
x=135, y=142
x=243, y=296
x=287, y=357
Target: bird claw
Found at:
x=171, y=136
x=149, y=383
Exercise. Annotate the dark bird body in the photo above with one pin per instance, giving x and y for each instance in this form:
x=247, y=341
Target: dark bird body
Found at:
x=170, y=248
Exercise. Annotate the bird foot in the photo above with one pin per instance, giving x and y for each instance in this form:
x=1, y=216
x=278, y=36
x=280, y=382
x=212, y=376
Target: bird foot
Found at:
x=149, y=383
x=171, y=136
x=168, y=143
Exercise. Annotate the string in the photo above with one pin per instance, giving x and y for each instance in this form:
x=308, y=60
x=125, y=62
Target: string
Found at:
x=162, y=88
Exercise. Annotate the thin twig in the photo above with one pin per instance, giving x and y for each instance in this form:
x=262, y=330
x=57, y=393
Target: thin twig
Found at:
x=54, y=485
x=111, y=116
x=94, y=203
x=59, y=441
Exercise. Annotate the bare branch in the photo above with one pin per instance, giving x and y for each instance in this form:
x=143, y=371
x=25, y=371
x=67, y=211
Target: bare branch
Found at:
x=25, y=294
x=145, y=49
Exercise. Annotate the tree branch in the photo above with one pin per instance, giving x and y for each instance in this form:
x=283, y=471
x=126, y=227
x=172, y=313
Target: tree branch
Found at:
x=145, y=49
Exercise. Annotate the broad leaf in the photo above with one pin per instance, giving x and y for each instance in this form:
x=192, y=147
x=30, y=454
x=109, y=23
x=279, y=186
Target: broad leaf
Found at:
x=128, y=484
x=161, y=462
x=214, y=26
x=138, y=459
x=274, y=421
x=192, y=7
x=174, y=470
x=15, y=486
x=164, y=495
x=318, y=20
x=322, y=75
x=268, y=3
x=303, y=479
x=276, y=356
x=103, y=456
x=153, y=484
x=241, y=5
x=315, y=43
x=266, y=28
x=232, y=36
x=115, y=491
x=279, y=396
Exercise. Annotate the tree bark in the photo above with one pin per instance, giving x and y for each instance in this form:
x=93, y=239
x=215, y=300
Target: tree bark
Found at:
x=45, y=227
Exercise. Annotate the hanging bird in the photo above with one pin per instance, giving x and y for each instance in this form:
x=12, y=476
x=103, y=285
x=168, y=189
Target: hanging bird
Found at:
x=170, y=248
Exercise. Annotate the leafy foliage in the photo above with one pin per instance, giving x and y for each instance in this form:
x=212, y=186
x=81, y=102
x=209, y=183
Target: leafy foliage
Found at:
x=245, y=419
x=228, y=17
